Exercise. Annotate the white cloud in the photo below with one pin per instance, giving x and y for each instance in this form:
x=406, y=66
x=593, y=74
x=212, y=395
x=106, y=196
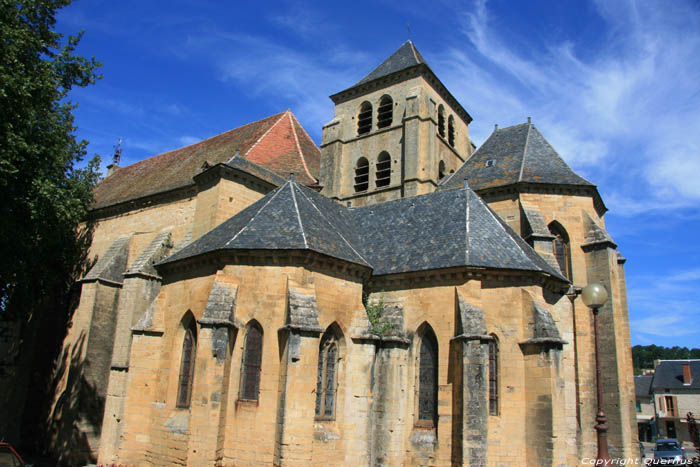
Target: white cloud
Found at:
x=187, y=140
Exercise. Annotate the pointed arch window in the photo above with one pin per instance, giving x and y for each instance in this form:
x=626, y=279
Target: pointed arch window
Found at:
x=361, y=175
x=385, y=112
x=383, y=176
x=252, y=359
x=561, y=248
x=451, y=131
x=441, y=121
x=427, y=378
x=364, y=119
x=189, y=351
x=327, y=377
x=493, y=376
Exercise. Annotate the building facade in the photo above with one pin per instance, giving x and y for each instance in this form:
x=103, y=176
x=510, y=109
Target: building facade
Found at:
x=400, y=299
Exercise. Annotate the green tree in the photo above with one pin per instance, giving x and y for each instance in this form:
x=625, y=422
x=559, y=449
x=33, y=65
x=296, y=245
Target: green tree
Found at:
x=45, y=192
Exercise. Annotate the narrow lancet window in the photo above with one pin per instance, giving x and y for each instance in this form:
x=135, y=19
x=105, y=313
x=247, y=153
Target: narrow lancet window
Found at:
x=184, y=388
x=441, y=170
x=252, y=359
x=427, y=378
x=561, y=248
x=326, y=378
x=451, y=131
x=493, y=376
x=441, y=121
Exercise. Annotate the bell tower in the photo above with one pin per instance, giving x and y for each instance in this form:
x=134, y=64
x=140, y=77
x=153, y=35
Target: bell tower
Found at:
x=395, y=134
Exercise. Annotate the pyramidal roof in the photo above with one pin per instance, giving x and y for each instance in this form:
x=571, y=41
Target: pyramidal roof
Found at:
x=439, y=230
x=405, y=57
x=511, y=155
x=277, y=143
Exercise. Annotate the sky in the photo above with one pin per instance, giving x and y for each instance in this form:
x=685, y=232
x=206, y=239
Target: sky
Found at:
x=614, y=85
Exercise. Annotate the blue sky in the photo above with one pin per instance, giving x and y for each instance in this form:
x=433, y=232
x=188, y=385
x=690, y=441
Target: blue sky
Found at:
x=613, y=85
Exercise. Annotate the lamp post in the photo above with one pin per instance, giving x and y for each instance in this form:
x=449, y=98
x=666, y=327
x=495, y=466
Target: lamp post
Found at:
x=594, y=296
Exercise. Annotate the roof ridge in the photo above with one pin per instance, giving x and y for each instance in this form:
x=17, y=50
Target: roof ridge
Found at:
x=296, y=207
x=277, y=191
x=522, y=161
x=292, y=119
x=329, y=222
x=467, y=250
x=254, y=145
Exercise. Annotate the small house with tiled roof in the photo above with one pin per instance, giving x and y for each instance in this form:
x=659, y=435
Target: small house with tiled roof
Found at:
x=394, y=297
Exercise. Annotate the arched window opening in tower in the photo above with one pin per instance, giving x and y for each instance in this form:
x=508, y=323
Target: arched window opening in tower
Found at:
x=189, y=350
x=364, y=119
x=441, y=170
x=383, y=177
x=493, y=376
x=561, y=248
x=441, y=121
x=361, y=175
x=252, y=359
x=451, y=131
x=385, y=112
x=326, y=377
x=427, y=378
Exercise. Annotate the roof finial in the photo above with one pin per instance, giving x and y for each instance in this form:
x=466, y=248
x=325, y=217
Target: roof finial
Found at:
x=291, y=177
x=408, y=26
x=466, y=183
x=117, y=152
x=238, y=153
x=495, y=126
x=529, y=120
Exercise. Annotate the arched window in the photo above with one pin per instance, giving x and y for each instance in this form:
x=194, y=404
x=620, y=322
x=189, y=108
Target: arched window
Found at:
x=364, y=119
x=561, y=248
x=441, y=121
x=361, y=175
x=493, y=376
x=441, y=170
x=385, y=112
x=327, y=376
x=383, y=176
x=428, y=377
x=252, y=358
x=189, y=350
x=451, y=131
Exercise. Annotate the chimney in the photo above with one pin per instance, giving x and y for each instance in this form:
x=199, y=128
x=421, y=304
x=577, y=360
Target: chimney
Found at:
x=687, y=377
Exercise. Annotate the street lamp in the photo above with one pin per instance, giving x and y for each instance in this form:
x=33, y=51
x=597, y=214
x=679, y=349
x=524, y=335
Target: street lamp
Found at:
x=594, y=296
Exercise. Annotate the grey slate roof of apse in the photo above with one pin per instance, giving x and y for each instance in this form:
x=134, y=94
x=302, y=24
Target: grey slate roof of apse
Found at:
x=243, y=164
x=669, y=374
x=642, y=385
x=520, y=154
x=439, y=230
x=405, y=57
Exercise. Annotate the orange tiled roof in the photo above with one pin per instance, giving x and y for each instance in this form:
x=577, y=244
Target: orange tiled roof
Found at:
x=277, y=143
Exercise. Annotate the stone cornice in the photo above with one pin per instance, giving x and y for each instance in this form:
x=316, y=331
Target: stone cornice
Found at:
x=546, y=188
x=163, y=197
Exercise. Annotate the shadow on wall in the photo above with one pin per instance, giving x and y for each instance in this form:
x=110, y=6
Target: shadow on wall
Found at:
x=76, y=417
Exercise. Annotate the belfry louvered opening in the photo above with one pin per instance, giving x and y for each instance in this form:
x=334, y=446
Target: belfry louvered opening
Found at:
x=362, y=175
x=441, y=121
x=385, y=112
x=451, y=131
x=383, y=170
x=364, y=119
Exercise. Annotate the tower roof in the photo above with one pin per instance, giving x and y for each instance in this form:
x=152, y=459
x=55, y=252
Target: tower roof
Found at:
x=405, y=57
x=512, y=155
x=277, y=143
x=435, y=231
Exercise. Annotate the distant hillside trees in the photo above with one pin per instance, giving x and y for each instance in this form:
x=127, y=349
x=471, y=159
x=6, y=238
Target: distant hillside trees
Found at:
x=643, y=356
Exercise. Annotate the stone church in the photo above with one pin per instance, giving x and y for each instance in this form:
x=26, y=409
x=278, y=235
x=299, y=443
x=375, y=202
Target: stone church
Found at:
x=396, y=297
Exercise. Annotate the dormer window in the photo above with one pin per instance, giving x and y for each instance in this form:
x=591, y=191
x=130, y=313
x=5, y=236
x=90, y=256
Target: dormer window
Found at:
x=441, y=121
x=361, y=175
x=383, y=177
x=364, y=119
x=385, y=112
x=451, y=131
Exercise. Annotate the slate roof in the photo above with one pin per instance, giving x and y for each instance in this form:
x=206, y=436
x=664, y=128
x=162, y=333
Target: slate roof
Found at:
x=405, y=57
x=642, y=385
x=669, y=375
x=278, y=143
x=520, y=154
x=439, y=230
x=239, y=162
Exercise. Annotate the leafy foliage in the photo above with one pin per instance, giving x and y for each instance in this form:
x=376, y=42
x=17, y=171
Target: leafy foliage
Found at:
x=45, y=194
x=375, y=313
x=643, y=356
